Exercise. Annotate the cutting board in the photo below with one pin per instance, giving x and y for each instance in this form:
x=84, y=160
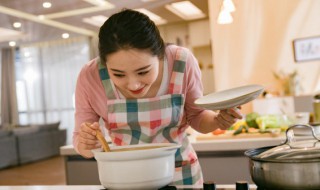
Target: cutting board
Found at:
x=210, y=136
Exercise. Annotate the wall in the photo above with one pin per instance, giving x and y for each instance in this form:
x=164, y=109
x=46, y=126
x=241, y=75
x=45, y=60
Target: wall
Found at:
x=259, y=42
x=194, y=35
x=177, y=33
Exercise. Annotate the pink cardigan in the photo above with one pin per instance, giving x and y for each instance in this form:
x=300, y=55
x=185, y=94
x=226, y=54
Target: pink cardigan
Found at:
x=91, y=99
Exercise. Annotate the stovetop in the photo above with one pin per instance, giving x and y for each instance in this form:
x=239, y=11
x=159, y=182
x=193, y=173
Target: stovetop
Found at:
x=217, y=187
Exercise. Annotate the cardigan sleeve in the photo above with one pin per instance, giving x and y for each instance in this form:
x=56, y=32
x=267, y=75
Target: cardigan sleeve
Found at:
x=193, y=89
x=84, y=110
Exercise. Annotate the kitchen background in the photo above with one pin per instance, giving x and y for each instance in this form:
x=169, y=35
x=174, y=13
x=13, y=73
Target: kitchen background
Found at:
x=252, y=44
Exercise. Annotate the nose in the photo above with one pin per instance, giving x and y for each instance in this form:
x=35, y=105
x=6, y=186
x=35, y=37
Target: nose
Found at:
x=133, y=84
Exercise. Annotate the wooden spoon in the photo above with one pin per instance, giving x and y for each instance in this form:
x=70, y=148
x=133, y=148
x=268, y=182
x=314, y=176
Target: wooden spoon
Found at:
x=103, y=141
x=101, y=138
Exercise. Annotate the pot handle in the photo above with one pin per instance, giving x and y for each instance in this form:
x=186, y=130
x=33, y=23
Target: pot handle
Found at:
x=290, y=133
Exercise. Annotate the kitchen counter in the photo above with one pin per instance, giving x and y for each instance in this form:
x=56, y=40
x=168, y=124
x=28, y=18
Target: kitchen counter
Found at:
x=222, y=160
x=213, y=145
x=235, y=144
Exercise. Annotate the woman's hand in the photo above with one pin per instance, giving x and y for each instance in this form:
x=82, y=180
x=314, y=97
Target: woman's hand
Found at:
x=87, y=139
x=226, y=118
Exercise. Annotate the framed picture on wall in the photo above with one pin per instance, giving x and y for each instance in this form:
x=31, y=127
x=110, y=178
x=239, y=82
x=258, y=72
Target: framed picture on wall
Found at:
x=306, y=49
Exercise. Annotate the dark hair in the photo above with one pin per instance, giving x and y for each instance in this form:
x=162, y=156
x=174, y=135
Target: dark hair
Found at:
x=129, y=29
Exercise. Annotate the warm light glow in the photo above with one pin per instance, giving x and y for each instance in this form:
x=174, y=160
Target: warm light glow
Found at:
x=65, y=35
x=228, y=5
x=155, y=18
x=99, y=3
x=224, y=17
x=46, y=5
x=12, y=43
x=186, y=10
x=17, y=24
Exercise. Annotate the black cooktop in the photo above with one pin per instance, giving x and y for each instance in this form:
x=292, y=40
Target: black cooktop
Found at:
x=209, y=188
x=206, y=186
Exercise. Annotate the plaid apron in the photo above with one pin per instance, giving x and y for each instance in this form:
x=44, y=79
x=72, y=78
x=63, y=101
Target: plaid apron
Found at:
x=154, y=120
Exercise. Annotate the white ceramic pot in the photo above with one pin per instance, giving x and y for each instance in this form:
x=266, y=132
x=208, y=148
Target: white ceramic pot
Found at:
x=137, y=169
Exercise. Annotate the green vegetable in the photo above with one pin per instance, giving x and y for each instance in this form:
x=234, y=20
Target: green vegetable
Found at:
x=270, y=121
x=251, y=120
x=240, y=130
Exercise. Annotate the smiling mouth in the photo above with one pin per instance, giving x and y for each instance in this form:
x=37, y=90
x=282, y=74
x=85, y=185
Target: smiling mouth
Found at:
x=137, y=91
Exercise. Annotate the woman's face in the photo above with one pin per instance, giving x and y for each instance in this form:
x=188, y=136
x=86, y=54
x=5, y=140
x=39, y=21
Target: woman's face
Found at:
x=133, y=71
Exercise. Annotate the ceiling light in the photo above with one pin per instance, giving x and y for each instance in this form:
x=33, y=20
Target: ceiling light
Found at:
x=45, y=21
x=17, y=24
x=46, y=5
x=95, y=20
x=12, y=43
x=65, y=35
x=99, y=2
x=228, y=5
x=186, y=10
x=155, y=18
x=224, y=17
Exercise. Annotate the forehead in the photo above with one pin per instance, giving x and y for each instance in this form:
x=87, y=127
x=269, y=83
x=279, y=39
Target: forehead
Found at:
x=132, y=58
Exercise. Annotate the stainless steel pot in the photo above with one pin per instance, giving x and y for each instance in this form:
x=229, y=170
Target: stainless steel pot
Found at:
x=291, y=165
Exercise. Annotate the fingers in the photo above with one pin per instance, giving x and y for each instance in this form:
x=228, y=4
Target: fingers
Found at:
x=84, y=146
x=235, y=112
x=87, y=136
x=229, y=116
x=223, y=123
x=89, y=130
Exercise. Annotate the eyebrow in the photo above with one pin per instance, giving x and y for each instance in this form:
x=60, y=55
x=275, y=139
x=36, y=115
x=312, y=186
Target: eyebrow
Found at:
x=140, y=69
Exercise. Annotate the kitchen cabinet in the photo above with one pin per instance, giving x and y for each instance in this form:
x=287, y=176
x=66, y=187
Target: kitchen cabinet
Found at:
x=79, y=170
x=199, y=33
x=188, y=34
x=223, y=160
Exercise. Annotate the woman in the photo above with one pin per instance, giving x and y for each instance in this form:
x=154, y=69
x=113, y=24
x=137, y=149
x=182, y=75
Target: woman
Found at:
x=144, y=91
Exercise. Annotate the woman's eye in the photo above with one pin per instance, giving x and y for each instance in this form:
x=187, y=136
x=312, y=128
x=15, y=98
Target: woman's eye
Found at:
x=143, y=73
x=118, y=75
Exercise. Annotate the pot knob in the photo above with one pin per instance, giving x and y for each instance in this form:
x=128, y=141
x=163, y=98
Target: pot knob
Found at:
x=242, y=185
x=209, y=185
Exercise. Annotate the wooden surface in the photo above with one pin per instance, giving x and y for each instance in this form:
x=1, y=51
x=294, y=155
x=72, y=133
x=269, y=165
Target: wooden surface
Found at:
x=210, y=136
x=50, y=171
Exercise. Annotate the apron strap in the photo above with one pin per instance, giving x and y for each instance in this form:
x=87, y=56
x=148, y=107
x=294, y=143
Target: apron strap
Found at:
x=175, y=85
x=106, y=81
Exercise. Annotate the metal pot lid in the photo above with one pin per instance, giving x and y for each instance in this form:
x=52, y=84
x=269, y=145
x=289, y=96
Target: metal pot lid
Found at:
x=292, y=149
